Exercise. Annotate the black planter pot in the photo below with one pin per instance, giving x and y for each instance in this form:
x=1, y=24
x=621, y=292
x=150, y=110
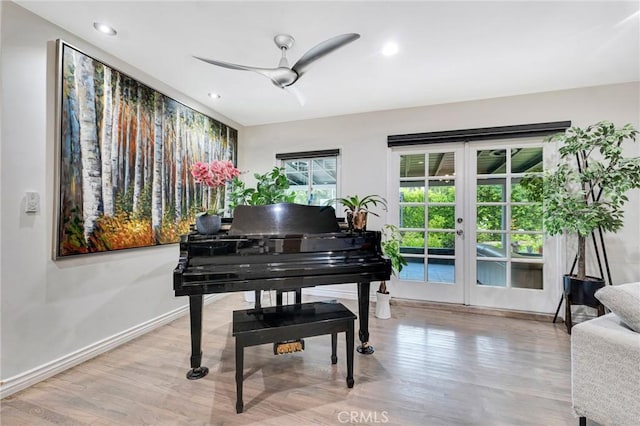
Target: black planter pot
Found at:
x=208, y=224
x=581, y=292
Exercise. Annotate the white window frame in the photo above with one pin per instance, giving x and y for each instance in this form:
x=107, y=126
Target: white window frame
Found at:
x=314, y=155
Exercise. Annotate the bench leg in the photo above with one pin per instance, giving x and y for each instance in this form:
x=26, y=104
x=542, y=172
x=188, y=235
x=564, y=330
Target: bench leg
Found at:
x=239, y=376
x=350, y=334
x=334, y=348
x=583, y=421
x=298, y=296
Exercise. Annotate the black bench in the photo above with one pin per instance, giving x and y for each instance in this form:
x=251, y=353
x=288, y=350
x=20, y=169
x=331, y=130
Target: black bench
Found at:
x=290, y=322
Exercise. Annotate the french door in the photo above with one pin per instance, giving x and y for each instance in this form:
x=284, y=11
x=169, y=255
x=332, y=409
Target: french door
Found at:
x=429, y=187
x=470, y=234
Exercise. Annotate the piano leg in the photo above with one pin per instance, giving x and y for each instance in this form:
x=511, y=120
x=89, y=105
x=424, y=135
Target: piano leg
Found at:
x=239, y=376
x=363, y=313
x=334, y=348
x=195, y=312
x=350, y=344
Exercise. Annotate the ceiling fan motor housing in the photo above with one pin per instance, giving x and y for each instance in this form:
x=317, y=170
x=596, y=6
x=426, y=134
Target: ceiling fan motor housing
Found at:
x=284, y=77
x=284, y=41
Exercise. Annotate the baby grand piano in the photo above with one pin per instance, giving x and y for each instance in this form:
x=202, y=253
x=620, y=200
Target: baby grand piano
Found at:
x=277, y=247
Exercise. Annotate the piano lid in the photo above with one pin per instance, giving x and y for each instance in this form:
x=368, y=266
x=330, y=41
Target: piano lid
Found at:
x=283, y=219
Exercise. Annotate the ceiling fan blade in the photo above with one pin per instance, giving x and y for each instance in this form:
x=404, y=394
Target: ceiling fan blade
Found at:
x=323, y=49
x=281, y=77
x=297, y=93
x=230, y=65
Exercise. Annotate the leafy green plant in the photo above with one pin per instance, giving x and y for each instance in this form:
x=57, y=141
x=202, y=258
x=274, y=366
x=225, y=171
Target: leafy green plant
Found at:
x=358, y=208
x=354, y=204
x=580, y=198
x=271, y=188
x=391, y=240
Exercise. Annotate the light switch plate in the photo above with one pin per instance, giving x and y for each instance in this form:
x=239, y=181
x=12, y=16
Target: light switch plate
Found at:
x=32, y=204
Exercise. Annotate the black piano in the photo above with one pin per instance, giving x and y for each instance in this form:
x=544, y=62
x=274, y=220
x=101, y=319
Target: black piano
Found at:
x=277, y=247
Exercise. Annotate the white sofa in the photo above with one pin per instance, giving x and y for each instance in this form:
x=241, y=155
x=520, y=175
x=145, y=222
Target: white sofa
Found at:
x=605, y=361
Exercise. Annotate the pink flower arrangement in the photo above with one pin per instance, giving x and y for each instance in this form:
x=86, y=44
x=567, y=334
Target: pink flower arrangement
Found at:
x=214, y=174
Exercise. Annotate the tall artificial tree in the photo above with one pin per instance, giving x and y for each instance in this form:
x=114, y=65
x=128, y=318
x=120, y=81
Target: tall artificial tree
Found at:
x=587, y=190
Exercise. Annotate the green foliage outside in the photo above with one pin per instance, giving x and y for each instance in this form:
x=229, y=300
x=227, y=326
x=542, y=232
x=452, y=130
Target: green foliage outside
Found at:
x=301, y=195
x=321, y=196
x=524, y=217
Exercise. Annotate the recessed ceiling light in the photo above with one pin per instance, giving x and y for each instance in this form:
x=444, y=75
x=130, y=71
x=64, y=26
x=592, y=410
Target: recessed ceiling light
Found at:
x=214, y=95
x=390, y=49
x=104, y=28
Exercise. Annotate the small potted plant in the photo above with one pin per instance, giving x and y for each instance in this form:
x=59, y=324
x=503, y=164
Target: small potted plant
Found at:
x=586, y=192
x=358, y=208
x=391, y=239
x=214, y=175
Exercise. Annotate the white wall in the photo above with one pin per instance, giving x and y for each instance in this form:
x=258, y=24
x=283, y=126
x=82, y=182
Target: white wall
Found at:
x=52, y=309
x=362, y=139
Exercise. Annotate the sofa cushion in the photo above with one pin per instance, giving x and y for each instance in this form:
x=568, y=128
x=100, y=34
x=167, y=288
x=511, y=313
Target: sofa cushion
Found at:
x=624, y=301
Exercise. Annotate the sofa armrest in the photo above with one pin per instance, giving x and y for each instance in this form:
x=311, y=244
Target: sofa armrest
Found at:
x=605, y=371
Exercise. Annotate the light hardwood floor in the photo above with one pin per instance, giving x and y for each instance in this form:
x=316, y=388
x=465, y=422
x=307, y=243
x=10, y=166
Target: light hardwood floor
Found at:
x=430, y=367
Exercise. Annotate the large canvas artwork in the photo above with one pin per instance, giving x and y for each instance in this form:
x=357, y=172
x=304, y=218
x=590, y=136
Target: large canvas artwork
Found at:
x=124, y=160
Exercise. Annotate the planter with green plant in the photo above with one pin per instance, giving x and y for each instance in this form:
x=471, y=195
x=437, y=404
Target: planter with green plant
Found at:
x=586, y=192
x=357, y=209
x=390, y=244
x=271, y=188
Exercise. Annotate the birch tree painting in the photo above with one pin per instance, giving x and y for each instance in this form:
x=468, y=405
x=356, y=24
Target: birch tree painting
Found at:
x=125, y=155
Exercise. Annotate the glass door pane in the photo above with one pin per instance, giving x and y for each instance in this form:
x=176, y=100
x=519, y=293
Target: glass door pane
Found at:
x=429, y=216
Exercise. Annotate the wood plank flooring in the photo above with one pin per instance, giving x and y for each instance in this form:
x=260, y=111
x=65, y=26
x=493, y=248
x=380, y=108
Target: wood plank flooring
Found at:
x=431, y=367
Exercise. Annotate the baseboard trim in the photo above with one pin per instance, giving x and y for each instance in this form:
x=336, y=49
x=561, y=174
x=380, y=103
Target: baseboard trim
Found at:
x=31, y=377
x=452, y=307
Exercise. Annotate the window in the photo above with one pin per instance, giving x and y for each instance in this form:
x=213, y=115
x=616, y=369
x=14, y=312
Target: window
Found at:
x=312, y=175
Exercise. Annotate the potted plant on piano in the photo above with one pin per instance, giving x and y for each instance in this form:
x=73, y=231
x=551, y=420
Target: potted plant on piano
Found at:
x=271, y=188
x=214, y=177
x=357, y=209
x=391, y=240
x=585, y=193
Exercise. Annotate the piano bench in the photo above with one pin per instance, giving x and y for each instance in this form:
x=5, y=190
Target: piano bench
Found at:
x=274, y=324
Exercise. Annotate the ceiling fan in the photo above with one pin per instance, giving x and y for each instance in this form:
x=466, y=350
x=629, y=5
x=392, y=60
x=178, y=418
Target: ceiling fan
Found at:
x=284, y=76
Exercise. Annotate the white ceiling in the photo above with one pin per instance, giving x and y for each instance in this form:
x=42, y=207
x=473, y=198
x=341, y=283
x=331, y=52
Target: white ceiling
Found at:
x=449, y=51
